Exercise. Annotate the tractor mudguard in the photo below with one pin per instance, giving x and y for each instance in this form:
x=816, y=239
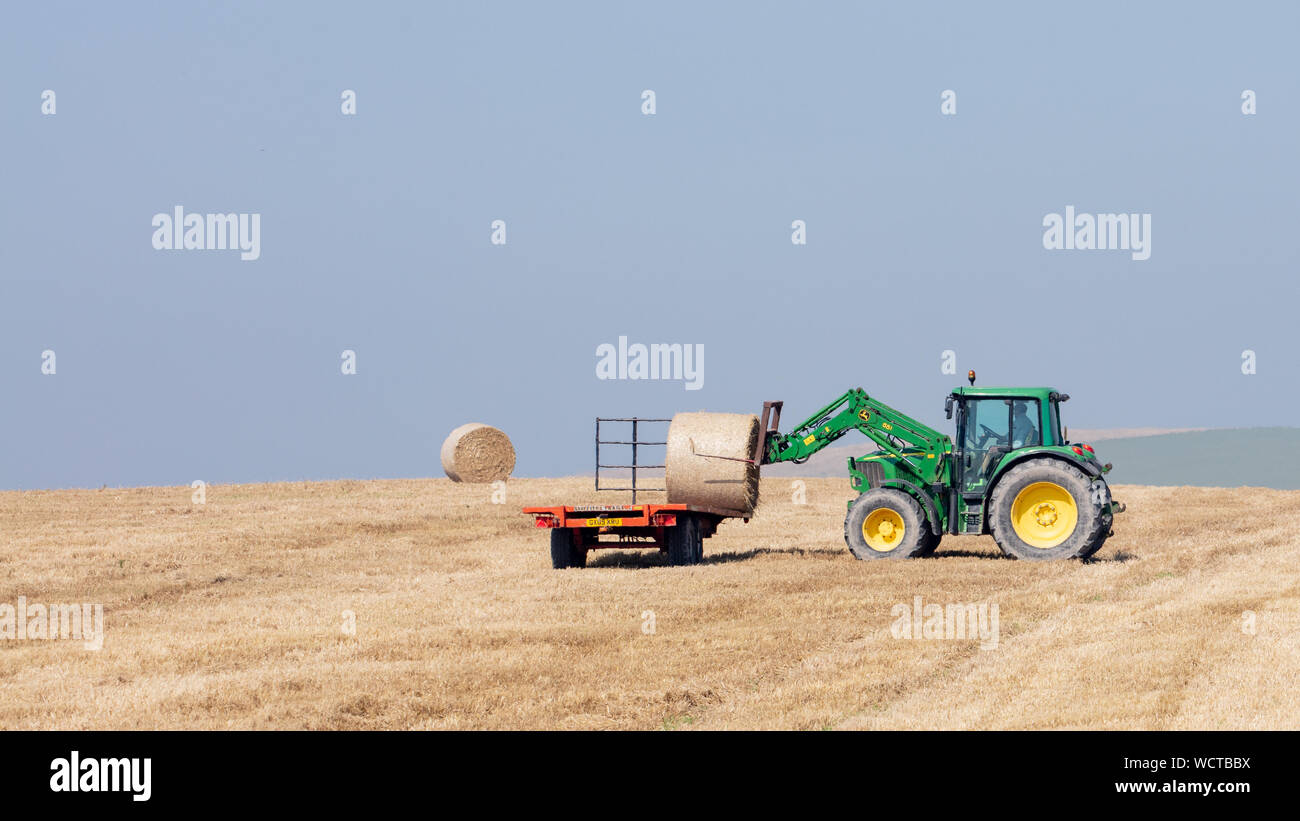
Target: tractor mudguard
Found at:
x=1063, y=452
x=931, y=513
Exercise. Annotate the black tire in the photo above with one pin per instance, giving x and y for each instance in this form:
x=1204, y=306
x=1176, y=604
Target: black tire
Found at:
x=564, y=553
x=1101, y=499
x=685, y=545
x=907, y=511
x=1045, y=527
x=1088, y=552
x=931, y=542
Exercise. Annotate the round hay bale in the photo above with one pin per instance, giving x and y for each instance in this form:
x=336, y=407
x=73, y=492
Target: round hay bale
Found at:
x=477, y=453
x=697, y=480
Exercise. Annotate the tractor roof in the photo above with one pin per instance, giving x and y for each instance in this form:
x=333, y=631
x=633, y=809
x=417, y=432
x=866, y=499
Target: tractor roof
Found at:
x=979, y=390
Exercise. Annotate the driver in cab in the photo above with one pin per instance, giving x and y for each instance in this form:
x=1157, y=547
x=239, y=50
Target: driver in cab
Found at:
x=1024, y=433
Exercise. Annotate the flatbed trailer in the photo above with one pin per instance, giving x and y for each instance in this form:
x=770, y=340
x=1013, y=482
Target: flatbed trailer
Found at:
x=675, y=529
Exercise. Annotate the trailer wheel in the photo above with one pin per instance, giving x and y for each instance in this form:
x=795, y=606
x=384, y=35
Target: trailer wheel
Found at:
x=885, y=523
x=684, y=541
x=1044, y=509
x=565, y=551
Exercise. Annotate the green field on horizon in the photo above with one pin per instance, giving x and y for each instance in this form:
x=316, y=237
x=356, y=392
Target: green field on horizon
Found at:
x=1227, y=457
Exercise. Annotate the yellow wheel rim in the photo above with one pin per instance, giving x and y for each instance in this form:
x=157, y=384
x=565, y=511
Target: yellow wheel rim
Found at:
x=1044, y=515
x=883, y=529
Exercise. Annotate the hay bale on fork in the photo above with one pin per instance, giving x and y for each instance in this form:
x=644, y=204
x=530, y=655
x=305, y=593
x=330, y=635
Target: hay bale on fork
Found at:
x=477, y=453
x=691, y=477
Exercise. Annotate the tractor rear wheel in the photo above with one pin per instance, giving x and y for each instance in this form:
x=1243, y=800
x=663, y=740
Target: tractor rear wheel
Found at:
x=886, y=523
x=684, y=542
x=1097, y=543
x=1100, y=498
x=564, y=549
x=1043, y=509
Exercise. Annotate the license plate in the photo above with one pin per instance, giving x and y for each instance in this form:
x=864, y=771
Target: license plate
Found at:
x=604, y=522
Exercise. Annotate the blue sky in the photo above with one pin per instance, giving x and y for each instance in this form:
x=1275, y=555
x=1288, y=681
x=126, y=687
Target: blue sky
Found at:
x=924, y=230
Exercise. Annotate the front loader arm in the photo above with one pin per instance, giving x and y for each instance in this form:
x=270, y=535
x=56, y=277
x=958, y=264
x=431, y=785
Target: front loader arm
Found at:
x=898, y=434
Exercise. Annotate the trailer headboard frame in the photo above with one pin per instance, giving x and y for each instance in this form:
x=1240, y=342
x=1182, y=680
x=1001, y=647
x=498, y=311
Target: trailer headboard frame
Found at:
x=635, y=443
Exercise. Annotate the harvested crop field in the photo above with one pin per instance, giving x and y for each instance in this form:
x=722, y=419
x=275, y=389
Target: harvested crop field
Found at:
x=233, y=613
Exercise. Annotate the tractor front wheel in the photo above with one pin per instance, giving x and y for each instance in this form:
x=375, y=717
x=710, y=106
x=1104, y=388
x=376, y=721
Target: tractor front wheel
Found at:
x=1044, y=509
x=931, y=541
x=886, y=523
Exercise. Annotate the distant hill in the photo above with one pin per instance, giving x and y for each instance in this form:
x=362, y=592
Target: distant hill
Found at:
x=1091, y=435
x=1223, y=457
x=1228, y=457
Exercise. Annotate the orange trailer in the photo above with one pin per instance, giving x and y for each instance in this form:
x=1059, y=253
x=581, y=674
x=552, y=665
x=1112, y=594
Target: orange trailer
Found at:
x=678, y=530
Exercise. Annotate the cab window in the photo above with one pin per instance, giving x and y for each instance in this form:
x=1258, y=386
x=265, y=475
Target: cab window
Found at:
x=986, y=423
x=1026, y=430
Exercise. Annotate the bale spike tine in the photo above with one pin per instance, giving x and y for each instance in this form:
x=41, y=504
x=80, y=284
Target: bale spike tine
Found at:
x=694, y=452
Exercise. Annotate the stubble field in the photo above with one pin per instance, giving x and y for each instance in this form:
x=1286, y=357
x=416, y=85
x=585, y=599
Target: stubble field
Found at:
x=235, y=614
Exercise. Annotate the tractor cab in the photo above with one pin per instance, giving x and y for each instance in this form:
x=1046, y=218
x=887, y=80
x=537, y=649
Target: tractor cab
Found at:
x=992, y=423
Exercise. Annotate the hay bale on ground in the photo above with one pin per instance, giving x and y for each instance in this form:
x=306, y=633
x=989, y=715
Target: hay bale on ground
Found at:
x=696, y=480
x=477, y=453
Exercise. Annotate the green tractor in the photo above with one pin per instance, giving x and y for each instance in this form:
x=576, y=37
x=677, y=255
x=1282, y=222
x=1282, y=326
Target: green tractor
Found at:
x=1012, y=474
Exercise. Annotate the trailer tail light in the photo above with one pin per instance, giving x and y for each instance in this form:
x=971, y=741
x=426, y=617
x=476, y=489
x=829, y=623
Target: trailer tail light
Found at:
x=664, y=520
x=546, y=521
